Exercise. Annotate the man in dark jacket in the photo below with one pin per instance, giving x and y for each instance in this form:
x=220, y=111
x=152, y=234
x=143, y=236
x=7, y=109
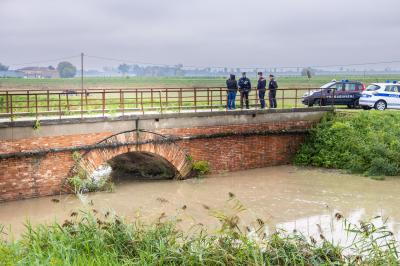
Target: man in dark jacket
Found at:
x=261, y=87
x=232, y=86
x=244, y=88
x=272, y=87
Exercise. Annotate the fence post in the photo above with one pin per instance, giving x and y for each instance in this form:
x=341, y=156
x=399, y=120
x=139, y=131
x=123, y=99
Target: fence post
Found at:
x=195, y=100
x=36, y=106
x=11, y=108
x=180, y=99
x=141, y=101
x=28, y=101
x=159, y=92
x=48, y=100
x=283, y=98
x=211, y=101
x=295, y=100
x=104, y=101
x=123, y=102
x=7, y=103
x=59, y=104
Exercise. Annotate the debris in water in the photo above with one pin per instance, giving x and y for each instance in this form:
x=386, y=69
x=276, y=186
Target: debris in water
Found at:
x=162, y=200
x=55, y=200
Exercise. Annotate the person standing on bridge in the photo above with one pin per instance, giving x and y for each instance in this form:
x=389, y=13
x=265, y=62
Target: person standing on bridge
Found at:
x=232, y=87
x=272, y=87
x=261, y=87
x=244, y=89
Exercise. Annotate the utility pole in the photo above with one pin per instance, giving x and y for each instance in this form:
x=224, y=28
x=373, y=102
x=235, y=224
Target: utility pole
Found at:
x=82, y=72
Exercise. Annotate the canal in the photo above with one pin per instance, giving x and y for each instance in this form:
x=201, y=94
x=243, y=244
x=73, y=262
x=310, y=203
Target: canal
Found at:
x=286, y=197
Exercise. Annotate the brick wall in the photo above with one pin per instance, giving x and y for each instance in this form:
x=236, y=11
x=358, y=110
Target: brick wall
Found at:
x=34, y=176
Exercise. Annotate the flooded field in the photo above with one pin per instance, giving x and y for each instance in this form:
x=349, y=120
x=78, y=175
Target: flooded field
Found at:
x=287, y=197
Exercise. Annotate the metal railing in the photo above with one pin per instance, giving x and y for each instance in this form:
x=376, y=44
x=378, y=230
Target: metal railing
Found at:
x=103, y=102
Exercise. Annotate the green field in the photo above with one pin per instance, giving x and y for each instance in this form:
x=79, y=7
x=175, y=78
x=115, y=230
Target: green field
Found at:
x=145, y=82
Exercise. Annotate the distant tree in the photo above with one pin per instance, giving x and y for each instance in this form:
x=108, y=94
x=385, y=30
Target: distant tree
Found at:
x=3, y=67
x=51, y=67
x=123, y=68
x=66, y=69
x=308, y=72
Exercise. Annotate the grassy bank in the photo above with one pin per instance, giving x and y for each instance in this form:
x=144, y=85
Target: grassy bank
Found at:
x=366, y=142
x=103, y=239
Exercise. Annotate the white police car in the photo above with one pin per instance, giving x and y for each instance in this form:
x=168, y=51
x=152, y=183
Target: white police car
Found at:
x=381, y=96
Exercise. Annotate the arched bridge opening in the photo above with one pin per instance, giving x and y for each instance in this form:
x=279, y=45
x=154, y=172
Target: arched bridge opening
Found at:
x=137, y=154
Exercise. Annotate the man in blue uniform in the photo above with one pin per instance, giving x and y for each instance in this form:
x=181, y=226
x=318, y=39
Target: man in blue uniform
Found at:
x=272, y=87
x=232, y=87
x=261, y=87
x=244, y=89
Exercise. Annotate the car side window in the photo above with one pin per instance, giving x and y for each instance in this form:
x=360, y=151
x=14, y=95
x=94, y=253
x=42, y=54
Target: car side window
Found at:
x=392, y=88
x=337, y=86
x=397, y=88
x=350, y=87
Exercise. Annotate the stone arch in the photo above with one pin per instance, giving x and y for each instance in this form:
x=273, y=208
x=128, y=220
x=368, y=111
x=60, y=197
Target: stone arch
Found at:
x=136, y=141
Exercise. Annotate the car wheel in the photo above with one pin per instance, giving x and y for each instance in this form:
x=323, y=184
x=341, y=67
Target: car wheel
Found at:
x=319, y=102
x=366, y=107
x=380, y=105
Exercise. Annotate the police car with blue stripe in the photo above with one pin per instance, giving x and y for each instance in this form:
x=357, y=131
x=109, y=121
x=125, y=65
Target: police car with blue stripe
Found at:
x=381, y=96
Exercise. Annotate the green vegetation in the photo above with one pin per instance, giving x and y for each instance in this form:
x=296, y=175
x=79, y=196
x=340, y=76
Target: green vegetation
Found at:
x=361, y=142
x=66, y=70
x=81, y=182
x=104, y=239
x=161, y=82
x=201, y=168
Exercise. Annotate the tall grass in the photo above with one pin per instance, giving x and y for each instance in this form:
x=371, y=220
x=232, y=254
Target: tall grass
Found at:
x=103, y=239
x=365, y=142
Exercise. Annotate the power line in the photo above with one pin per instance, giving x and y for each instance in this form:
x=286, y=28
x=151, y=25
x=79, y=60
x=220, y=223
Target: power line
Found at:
x=246, y=67
x=46, y=61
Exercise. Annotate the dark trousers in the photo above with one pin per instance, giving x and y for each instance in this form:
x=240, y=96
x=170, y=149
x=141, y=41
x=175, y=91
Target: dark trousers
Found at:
x=261, y=96
x=244, y=95
x=231, y=99
x=272, y=99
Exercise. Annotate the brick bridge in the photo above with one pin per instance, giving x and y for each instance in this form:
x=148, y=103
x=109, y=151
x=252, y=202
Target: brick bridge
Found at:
x=37, y=162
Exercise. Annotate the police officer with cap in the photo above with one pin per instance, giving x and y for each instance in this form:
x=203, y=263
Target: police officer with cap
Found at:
x=244, y=89
x=272, y=87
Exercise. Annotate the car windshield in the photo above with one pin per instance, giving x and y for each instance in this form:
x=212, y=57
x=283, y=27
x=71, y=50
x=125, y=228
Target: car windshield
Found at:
x=327, y=85
x=372, y=87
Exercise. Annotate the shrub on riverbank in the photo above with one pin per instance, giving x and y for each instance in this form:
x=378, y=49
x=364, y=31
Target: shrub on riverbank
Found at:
x=361, y=142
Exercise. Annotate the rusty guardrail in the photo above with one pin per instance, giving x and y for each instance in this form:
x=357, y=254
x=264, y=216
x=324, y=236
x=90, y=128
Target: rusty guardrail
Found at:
x=63, y=103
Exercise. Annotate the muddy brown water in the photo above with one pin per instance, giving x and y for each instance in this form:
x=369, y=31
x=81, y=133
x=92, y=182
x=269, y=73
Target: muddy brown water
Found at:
x=285, y=197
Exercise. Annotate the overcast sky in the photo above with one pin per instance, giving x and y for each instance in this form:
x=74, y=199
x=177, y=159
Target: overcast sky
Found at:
x=202, y=32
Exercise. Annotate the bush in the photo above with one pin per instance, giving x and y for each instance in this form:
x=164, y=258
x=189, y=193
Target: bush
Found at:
x=201, y=167
x=364, y=142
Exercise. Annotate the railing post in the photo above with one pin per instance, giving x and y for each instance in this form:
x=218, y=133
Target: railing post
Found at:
x=159, y=92
x=195, y=99
x=59, y=104
x=141, y=101
x=48, y=100
x=151, y=97
x=36, y=106
x=11, y=108
x=220, y=96
x=166, y=98
x=211, y=101
x=295, y=100
x=122, y=102
x=7, y=103
x=104, y=101
x=81, y=103
x=137, y=100
x=283, y=98
x=28, y=102
x=67, y=101
x=180, y=100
